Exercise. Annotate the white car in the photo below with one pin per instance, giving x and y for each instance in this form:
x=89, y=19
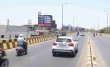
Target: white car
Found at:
x=65, y=44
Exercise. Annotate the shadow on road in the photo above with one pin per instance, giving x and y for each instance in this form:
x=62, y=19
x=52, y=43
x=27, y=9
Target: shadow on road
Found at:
x=64, y=55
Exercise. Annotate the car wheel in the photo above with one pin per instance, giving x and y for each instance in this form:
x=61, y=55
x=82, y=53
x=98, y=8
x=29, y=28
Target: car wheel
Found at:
x=73, y=54
x=5, y=63
x=54, y=54
x=76, y=50
x=18, y=54
x=25, y=53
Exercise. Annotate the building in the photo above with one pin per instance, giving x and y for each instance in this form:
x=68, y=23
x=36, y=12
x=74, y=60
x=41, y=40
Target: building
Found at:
x=11, y=31
x=73, y=29
x=53, y=24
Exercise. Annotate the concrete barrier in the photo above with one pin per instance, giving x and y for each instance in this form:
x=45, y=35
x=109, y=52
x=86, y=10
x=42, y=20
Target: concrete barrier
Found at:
x=12, y=43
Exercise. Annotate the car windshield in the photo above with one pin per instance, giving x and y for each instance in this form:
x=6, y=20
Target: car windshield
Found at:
x=63, y=40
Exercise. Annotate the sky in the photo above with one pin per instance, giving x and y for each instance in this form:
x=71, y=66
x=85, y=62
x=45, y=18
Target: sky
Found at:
x=86, y=13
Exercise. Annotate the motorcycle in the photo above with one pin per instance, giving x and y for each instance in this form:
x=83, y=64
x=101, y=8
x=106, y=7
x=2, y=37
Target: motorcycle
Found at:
x=94, y=34
x=77, y=33
x=21, y=51
x=3, y=60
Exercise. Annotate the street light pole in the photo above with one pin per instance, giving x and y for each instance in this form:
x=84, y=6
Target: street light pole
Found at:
x=62, y=13
x=62, y=16
x=73, y=24
x=73, y=21
x=98, y=25
x=107, y=21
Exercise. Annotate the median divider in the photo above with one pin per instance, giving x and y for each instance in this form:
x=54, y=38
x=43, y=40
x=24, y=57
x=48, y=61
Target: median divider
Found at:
x=90, y=55
x=97, y=59
x=93, y=58
x=12, y=43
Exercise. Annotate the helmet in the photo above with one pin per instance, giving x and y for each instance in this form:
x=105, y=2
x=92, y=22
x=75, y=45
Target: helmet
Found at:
x=21, y=35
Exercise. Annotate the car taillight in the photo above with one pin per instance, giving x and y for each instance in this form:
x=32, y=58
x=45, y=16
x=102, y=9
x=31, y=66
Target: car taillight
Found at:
x=70, y=44
x=54, y=44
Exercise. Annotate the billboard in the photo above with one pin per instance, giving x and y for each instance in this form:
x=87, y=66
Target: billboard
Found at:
x=40, y=19
x=47, y=18
x=44, y=19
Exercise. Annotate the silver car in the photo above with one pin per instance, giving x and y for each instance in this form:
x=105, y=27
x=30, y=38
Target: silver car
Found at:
x=65, y=44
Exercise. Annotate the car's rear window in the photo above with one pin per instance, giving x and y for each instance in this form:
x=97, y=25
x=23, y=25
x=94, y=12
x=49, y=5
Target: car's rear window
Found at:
x=63, y=40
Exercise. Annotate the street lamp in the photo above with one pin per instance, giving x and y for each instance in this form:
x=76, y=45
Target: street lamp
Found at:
x=107, y=19
x=62, y=14
x=74, y=22
x=98, y=24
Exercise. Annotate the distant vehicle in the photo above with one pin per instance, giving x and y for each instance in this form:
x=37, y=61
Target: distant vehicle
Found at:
x=94, y=34
x=82, y=35
x=77, y=33
x=3, y=60
x=57, y=35
x=65, y=44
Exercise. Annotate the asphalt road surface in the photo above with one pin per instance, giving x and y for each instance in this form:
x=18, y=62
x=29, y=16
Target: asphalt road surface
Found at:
x=103, y=45
x=40, y=55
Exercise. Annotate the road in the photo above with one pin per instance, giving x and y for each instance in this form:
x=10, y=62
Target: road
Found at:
x=40, y=55
x=103, y=45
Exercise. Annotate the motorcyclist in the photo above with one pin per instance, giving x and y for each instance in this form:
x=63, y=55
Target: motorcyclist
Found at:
x=94, y=34
x=77, y=33
x=22, y=42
